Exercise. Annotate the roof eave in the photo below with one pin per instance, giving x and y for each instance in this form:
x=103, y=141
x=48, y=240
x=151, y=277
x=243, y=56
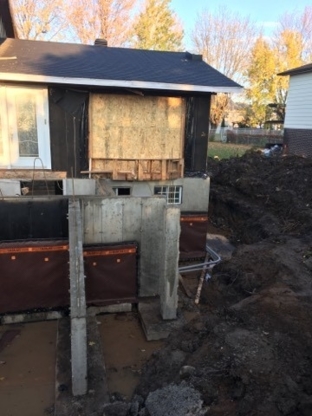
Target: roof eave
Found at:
x=296, y=71
x=46, y=79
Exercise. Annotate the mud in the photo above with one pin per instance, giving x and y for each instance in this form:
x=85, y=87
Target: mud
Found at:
x=249, y=351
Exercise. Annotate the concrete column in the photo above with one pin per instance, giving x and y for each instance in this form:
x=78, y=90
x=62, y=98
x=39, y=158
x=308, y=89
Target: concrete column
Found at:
x=77, y=301
x=151, y=250
x=170, y=276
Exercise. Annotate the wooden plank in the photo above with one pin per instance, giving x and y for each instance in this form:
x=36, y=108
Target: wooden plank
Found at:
x=185, y=288
x=147, y=169
x=29, y=174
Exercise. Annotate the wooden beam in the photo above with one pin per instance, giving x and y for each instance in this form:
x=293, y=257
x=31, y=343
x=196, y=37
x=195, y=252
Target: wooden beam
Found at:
x=30, y=174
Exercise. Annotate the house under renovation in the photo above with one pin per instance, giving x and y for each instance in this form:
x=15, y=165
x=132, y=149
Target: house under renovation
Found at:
x=127, y=130
x=103, y=177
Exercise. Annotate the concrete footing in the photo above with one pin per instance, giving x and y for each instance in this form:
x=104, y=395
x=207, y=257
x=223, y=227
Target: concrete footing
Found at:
x=119, y=307
x=30, y=317
x=154, y=327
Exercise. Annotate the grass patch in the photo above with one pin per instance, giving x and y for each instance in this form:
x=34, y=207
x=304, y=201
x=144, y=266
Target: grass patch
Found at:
x=227, y=150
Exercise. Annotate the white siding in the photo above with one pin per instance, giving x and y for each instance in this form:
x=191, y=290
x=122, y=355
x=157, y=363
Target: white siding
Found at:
x=299, y=102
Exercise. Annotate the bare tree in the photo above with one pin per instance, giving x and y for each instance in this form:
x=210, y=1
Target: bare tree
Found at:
x=224, y=39
x=39, y=20
x=106, y=19
x=300, y=25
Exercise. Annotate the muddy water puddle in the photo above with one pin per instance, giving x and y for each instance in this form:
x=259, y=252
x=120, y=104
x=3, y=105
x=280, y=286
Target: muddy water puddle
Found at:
x=125, y=351
x=28, y=357
x=27, y=369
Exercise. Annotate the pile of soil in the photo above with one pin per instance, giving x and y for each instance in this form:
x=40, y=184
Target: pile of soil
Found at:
x=250, y=350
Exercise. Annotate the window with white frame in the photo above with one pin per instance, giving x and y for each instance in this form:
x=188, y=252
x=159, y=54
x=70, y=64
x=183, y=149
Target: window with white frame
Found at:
x=24, y=127
x=173, y=193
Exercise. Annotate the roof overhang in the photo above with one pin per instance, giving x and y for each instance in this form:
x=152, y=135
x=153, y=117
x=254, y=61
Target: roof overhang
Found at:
x=46, y=79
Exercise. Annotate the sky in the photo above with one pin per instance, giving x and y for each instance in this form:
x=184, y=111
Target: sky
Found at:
x=263, y=12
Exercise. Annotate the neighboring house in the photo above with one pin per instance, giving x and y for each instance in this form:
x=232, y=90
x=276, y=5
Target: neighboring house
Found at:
x=298, y=118
x=7, y=27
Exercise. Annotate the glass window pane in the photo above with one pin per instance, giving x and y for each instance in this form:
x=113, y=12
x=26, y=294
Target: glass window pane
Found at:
x=26, y=123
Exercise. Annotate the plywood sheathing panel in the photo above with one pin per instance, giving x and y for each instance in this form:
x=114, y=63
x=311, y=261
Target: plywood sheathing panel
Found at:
x=135, y=127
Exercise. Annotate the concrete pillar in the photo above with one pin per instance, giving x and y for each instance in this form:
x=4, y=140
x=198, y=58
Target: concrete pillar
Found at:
x=170, y=276
x=151, y=251
x=77, y=301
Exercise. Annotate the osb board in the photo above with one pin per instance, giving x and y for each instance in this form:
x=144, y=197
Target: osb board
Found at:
x=29, y=174
x=136, y=127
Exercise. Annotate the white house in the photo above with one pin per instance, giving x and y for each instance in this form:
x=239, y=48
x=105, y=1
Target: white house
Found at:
x=298, y=119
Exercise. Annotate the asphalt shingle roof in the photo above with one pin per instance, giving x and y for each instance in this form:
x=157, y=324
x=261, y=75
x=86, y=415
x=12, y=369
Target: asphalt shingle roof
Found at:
x=51, y=59
x=299, y=70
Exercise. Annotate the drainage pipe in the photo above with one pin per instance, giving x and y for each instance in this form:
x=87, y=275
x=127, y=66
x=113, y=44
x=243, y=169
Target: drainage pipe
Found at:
x=215, y=259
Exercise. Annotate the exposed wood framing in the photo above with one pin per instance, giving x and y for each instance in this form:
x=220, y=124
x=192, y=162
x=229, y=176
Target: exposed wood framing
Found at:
x=137, y=169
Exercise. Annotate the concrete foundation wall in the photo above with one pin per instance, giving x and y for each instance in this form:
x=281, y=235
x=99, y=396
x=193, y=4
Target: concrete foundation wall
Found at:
x=195, y=192
x=298, y=141
x=144, y=220
x=79, y=186
x=9, y=187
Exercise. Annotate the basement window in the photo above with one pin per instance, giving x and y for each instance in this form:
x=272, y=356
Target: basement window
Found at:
x=123, y=190
x=173, y=194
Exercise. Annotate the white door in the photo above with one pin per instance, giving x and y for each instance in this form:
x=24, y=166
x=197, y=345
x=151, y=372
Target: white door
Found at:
x=24, y=125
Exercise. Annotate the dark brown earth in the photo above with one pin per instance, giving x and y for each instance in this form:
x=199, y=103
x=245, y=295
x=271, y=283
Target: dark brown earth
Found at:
x=250, y=350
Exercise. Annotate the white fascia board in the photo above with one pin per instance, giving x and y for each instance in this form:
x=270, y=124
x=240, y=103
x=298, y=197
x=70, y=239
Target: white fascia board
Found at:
x=43, y=79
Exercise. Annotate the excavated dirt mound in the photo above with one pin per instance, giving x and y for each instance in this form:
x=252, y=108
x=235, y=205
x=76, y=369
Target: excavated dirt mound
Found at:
x=250, y=351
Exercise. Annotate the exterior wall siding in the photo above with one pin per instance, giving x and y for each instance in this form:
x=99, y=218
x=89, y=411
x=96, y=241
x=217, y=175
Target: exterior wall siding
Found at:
x=2, y=30
x=298, y=141
x=299, y=102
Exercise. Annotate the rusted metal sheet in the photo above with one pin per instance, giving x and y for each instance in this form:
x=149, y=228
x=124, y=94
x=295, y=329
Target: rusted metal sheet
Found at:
x=111, y=274
x=193, y=235
x=33, y=275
